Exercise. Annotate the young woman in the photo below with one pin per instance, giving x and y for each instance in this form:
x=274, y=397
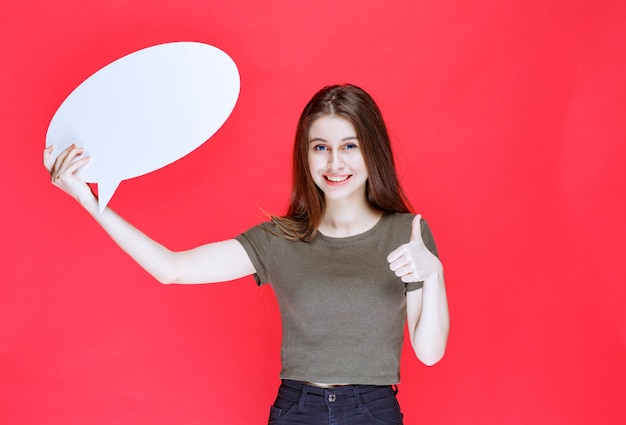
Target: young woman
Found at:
x=350, y=265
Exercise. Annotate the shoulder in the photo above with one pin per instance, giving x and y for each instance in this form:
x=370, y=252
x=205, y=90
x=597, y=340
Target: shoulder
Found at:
x=263, y=233
x=398, y=220
x=403, y=219
x=395, y=227
x=263, y=229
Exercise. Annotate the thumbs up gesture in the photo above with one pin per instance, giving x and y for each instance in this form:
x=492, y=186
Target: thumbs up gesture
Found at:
x=413, y=262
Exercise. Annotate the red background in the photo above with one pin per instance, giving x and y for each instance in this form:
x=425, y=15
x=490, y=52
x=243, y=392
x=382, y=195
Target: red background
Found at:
x=508, y=125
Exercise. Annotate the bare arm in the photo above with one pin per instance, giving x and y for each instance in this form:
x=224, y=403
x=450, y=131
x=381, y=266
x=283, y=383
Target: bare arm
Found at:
x=427, y=308
x=214, y=262
x=428, y=320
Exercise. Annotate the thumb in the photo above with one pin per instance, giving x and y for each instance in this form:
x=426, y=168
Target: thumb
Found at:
x=47, y=158
x=416, y=229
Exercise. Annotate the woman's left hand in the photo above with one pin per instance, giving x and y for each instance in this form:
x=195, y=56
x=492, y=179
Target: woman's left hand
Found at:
x=413, y=262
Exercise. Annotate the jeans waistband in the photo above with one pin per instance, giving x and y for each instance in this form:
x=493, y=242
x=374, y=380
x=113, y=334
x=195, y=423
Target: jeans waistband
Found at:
x=304, y=393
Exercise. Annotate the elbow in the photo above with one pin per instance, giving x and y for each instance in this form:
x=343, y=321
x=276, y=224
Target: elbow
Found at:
x=168, y=271
x=165, y=278
x=431, y=351
x=431, y=359
x=164, y=281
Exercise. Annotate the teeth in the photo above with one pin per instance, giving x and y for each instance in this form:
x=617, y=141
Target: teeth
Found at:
x=337, y=179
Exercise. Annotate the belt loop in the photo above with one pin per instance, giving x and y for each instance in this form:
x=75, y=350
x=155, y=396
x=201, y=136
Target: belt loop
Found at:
x=357, y=398
x=302, y=398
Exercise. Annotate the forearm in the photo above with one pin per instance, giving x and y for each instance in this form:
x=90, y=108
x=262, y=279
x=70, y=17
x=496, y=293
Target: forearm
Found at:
x=150, y=255
x=430, y=329
x=166, y=266
x=209, y=263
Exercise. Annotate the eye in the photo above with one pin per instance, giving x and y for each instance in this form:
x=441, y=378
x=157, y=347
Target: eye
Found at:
x=350, y=146
x=320, y=148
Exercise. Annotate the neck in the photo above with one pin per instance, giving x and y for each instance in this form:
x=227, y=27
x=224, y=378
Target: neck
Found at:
x=339, y=220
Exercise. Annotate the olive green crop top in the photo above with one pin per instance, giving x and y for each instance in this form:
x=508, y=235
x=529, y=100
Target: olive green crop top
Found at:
x=343, y=310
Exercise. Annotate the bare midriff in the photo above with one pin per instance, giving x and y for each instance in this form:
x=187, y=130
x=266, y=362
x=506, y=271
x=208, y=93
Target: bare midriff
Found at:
x=317, y=384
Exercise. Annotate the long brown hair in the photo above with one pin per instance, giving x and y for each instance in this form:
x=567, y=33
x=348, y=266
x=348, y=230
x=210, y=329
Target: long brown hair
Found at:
x=382, y=190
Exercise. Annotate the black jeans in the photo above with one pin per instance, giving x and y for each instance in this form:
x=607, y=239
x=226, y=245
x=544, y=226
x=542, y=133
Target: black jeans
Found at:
x=298, y=403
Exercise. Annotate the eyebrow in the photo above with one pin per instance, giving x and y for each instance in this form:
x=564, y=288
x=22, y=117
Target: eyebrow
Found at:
x=345, y=139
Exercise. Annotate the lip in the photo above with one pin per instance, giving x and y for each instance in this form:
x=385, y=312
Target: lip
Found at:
x=345, y=178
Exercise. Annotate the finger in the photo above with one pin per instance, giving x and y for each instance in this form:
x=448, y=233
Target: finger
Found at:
x=58, y=162
x=396, y=254
x=416, y=229
x=47, y=157
x=398, y=263
x=409, y=273
x=74, y=166
x=74, y=154
x=70, y=170
x=413, y=277
x=66, y=158
x=405, y=270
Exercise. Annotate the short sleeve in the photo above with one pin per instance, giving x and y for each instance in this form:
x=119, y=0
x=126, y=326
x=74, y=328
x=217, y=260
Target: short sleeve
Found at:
x=429, y=241
x=257, y=243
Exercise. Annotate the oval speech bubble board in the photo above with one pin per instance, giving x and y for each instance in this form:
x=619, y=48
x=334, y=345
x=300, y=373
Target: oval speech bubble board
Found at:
x=145, y=111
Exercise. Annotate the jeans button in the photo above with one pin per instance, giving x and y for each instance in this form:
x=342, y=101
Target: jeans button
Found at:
x=332, y=398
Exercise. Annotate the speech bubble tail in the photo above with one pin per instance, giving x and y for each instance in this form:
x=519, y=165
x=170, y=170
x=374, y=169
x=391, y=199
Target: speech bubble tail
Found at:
x=105, y=193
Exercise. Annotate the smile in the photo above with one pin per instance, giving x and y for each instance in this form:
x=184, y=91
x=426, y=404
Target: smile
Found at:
x=337, y=179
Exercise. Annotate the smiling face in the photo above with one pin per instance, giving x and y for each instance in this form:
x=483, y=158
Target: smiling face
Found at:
x=335, y=159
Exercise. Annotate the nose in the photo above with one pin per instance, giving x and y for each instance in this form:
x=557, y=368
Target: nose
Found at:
x=335, y=162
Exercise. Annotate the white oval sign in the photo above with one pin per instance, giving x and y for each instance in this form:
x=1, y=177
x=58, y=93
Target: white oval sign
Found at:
x=145, y=111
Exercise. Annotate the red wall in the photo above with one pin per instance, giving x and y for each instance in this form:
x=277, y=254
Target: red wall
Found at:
x=508, y=124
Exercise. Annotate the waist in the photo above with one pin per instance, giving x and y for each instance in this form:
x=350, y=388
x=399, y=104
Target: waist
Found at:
x=366, y=392
x=315, y=384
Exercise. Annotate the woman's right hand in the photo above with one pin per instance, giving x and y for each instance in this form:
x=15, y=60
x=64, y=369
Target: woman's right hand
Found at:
x=213, y=262
x=63, y=172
